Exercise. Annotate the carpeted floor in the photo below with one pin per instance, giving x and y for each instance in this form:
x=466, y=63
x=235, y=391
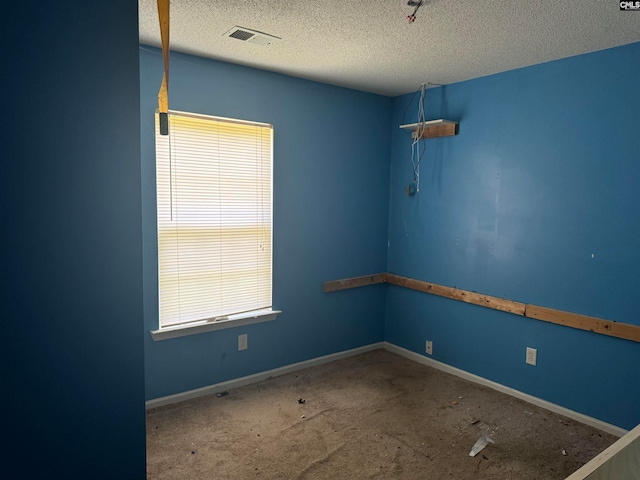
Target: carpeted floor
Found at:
x=372, y=416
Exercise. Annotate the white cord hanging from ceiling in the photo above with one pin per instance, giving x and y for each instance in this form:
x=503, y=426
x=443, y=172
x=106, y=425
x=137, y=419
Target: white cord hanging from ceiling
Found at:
x=417, y=148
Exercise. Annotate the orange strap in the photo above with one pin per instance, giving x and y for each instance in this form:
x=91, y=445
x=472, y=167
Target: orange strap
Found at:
x=163, y=16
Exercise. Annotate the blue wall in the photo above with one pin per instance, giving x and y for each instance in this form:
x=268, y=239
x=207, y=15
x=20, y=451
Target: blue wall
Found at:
x=71, y=237
x=331, y=194
x=536, y=200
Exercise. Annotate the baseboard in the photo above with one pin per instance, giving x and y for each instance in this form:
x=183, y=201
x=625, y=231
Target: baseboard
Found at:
x=587, y=420
x=239, y=382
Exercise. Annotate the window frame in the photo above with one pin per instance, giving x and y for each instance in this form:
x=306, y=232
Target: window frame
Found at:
x=224, y=321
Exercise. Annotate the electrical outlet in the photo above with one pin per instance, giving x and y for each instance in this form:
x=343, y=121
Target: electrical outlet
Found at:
x=429, y=347
x=242, y=342
x=532, y=356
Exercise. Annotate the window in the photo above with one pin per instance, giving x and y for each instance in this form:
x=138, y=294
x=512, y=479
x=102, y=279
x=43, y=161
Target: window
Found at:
x=214, y=191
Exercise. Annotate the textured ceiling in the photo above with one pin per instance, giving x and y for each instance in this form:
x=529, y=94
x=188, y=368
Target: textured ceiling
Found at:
x=370, y=46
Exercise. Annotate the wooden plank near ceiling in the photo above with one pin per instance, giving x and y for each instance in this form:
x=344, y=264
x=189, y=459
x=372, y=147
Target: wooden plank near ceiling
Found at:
x=436, y=131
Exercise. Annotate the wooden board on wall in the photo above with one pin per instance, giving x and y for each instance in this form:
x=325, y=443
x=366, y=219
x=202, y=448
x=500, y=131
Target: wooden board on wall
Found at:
x=559, y=317
x=488, y=301
x=345, y=283
x=584, y=322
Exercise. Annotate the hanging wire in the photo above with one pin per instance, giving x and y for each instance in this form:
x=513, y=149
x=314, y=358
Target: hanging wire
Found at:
x=404, y=115
x=416, y=151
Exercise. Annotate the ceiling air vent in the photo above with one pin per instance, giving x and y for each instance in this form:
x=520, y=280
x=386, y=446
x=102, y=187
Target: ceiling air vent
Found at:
x=251, y=36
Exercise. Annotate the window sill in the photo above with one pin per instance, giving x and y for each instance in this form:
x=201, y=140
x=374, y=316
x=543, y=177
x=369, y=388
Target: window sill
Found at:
x=208, y=326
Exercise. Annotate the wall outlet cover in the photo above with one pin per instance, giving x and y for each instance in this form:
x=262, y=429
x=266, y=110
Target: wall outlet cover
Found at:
x=532, y=356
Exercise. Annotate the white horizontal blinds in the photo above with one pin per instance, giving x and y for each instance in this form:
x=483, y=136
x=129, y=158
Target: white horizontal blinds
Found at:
x=214, y=218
